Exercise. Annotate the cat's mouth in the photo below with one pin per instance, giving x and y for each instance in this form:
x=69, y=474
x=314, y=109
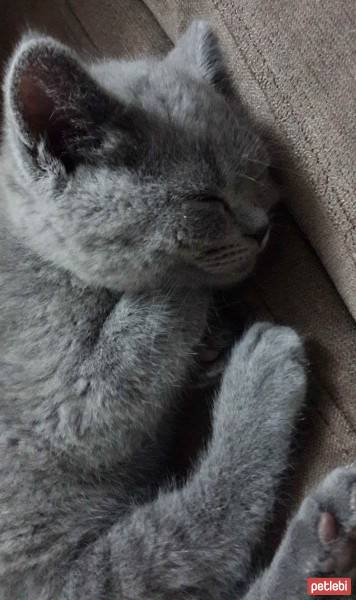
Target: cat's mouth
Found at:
x=235, y=259
x=231, y=259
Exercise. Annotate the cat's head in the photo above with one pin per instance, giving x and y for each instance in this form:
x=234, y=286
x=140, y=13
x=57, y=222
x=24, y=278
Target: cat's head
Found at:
x=127, y=173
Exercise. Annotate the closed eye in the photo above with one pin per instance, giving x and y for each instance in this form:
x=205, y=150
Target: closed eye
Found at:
x=211, y=199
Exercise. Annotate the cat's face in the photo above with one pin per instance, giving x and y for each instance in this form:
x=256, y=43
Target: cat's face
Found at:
x=130, y=173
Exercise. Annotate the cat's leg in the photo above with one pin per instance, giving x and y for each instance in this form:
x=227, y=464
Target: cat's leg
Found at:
x=115, y=390
x=320, y=541
x=196, y=542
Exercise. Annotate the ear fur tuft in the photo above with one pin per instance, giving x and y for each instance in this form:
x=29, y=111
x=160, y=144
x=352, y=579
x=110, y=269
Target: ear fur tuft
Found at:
x=199, y=49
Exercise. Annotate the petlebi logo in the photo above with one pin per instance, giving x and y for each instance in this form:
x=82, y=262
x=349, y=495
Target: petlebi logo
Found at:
x=329, y=586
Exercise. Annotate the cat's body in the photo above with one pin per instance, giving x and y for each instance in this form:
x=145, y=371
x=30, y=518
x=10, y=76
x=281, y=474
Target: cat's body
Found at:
x=127, y=192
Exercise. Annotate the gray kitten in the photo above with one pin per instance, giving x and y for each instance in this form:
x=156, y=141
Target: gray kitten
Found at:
x=128, y=191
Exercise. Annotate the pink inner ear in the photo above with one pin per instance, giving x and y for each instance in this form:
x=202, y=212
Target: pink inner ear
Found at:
x=36, y=105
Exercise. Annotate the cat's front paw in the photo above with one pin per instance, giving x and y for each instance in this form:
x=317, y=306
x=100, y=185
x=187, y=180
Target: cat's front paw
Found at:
x=328, y=518
x=271, y=361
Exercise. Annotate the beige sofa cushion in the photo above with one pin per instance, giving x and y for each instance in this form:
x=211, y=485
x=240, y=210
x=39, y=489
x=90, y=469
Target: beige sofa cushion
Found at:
x=105, y=28
x=295, y=64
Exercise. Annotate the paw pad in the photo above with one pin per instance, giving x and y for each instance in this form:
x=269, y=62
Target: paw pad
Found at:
x=338, y=537
x=328, y=529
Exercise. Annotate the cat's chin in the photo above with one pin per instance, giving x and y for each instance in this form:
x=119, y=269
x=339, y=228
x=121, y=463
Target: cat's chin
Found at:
x=222, y=274
x=227, y=279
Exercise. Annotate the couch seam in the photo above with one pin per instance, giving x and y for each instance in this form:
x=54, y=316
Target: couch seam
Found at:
x=72, y=11
x=344, y=450
x=349, y=424
x=158, y=21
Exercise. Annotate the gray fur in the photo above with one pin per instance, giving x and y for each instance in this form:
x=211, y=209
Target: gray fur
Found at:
x=128, y=191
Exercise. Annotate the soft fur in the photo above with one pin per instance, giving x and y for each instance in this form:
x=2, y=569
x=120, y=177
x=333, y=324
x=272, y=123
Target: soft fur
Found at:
x=128, y=191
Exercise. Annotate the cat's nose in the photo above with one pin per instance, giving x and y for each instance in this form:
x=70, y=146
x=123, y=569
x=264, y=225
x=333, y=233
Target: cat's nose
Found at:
x=261, y=235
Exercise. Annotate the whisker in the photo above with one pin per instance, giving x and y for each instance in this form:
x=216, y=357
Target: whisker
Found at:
x=254, y=160
x=270, y=165
x=247, y=177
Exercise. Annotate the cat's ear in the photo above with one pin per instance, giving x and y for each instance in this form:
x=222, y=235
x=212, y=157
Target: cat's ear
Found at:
x=198, y=50
x=52, y=103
